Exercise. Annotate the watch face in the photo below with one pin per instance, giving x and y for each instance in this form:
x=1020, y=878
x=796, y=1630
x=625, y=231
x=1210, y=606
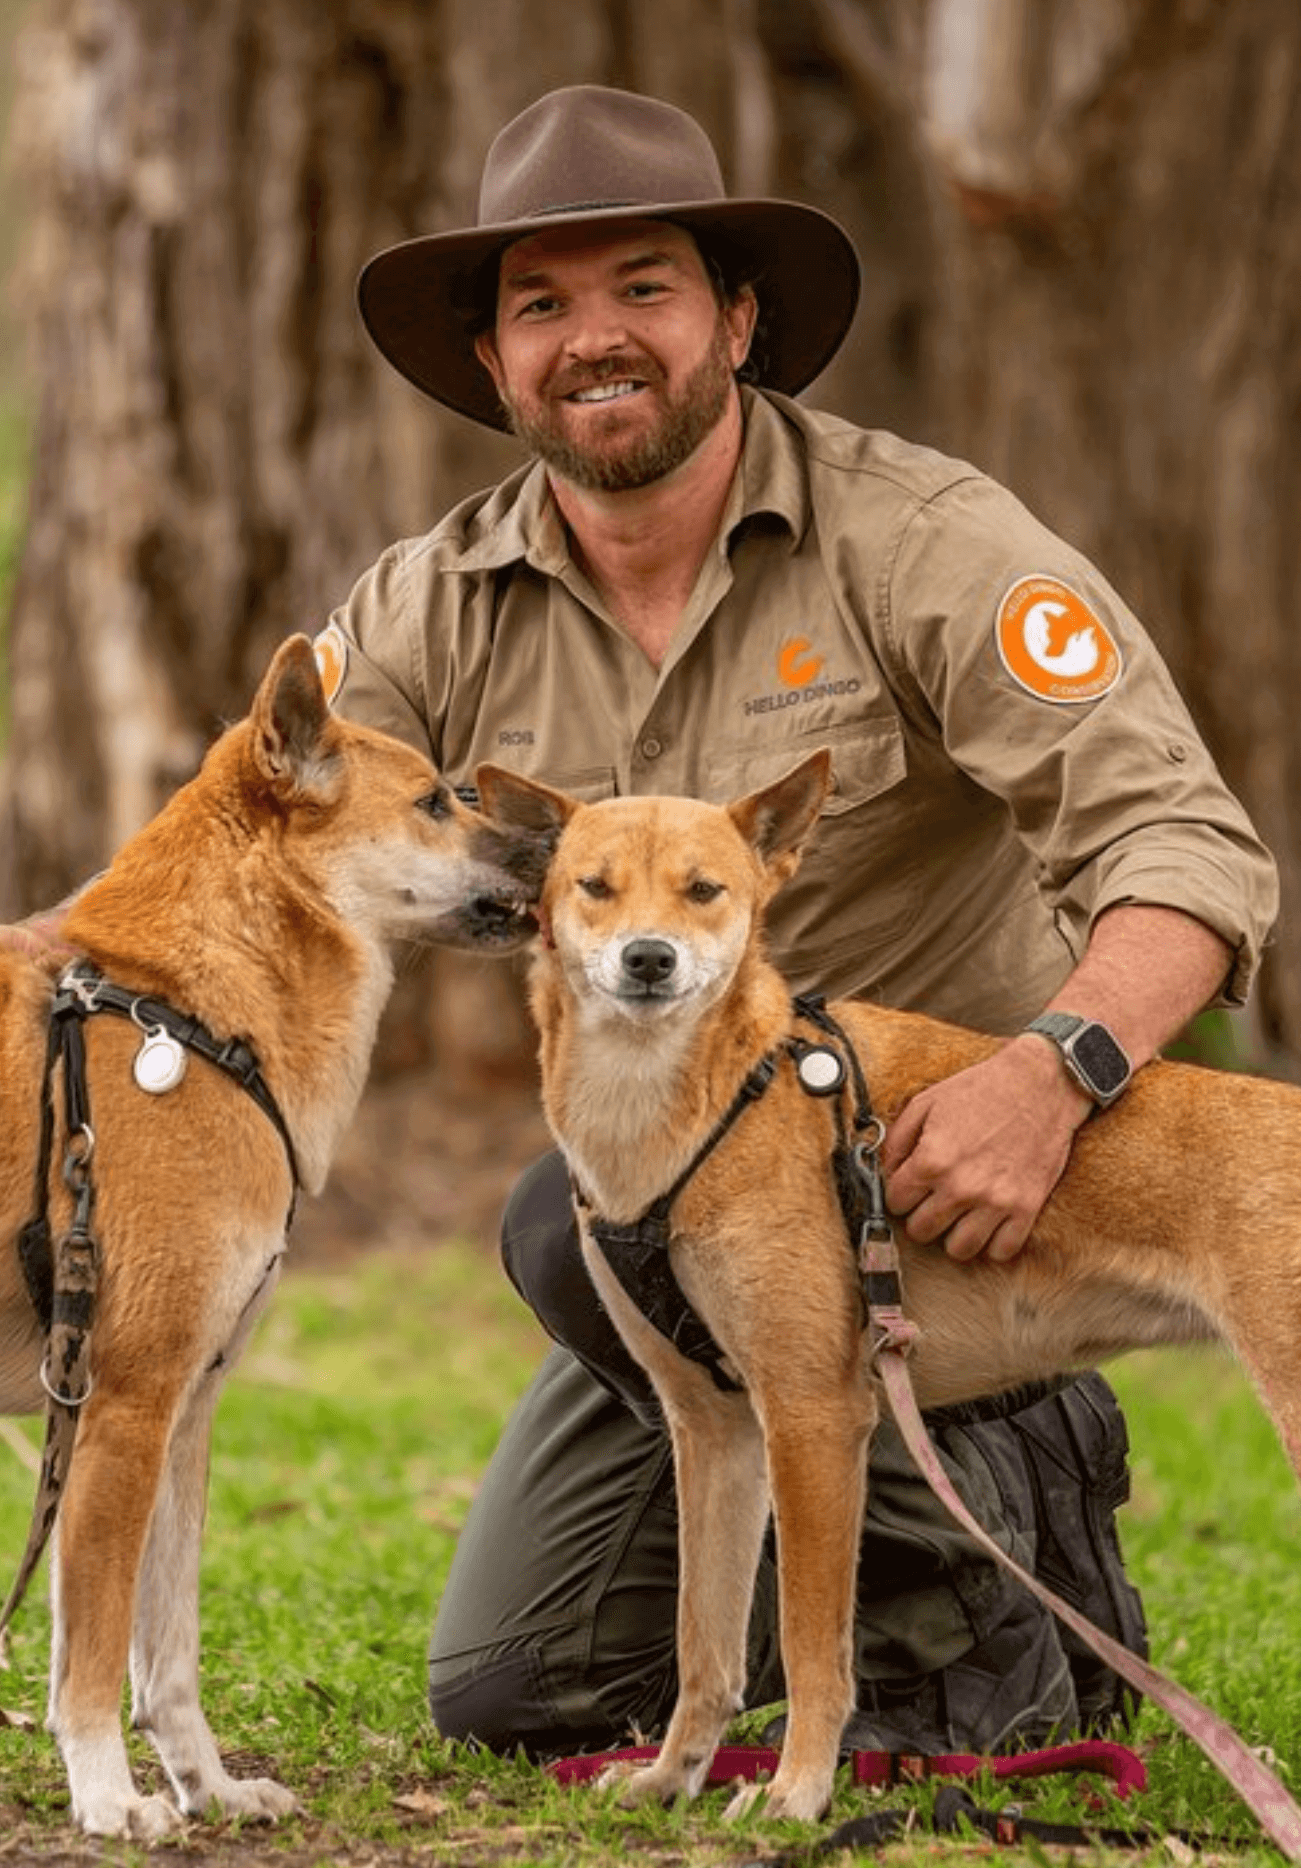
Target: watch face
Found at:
x=1100, y=1059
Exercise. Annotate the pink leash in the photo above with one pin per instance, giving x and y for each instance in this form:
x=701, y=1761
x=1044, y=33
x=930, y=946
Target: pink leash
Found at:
x=874, y=1769
x=1259, y=1789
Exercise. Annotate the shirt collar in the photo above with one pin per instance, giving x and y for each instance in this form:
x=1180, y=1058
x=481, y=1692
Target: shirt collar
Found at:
x=772, y=482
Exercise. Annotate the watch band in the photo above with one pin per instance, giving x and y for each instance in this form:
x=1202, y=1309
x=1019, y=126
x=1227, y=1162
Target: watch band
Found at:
x=1093, y=1056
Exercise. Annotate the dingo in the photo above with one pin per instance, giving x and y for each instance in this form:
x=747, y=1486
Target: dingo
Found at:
x=261, y=901
x=1179, y=1217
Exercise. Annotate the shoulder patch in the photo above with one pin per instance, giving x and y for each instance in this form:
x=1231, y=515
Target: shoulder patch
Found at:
x=1053, y=645
x=331, y=648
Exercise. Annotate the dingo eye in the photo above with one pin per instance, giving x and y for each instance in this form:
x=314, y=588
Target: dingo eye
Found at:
x=436, y=803
x=703, y=891
x=597, y=887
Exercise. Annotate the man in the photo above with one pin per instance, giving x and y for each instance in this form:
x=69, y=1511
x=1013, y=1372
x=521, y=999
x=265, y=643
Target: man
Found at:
x=692, y=584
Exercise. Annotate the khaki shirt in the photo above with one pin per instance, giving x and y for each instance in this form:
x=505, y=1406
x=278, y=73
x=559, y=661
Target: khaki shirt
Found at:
x=976, y=828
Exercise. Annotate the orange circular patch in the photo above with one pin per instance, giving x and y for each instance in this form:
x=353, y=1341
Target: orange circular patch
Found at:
x=1053, y=644
x=798, y=663
x=332, y=659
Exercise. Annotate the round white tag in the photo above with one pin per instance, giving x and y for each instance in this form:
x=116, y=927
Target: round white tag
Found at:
x=160, y=1063
x=821, y=1070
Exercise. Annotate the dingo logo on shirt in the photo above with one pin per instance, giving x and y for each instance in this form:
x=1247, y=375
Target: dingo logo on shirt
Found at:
x=798, y=662
x=331, y=658
x=1053, y=644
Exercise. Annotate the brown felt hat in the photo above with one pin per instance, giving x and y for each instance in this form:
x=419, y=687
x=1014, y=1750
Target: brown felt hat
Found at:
x=591, y=154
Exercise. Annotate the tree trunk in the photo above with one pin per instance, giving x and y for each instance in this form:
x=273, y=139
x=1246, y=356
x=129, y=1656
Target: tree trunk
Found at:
x=1080, y=231
x=1127, y=258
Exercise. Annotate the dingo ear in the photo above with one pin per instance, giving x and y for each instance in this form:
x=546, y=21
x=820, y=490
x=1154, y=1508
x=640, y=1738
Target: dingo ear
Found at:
x=777, y=820
x=289, y=722
x=517, y=803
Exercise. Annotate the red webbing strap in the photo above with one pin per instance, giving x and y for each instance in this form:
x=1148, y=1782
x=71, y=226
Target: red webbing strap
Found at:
x=1263, y=1794
x=876, y=1768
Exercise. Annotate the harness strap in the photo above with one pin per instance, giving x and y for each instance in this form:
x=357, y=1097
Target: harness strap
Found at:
x=62, y=1279
x=65, y=1278
x=231, y=1055
x=813, y=1007
x=35, y=1253
x=638, y=1252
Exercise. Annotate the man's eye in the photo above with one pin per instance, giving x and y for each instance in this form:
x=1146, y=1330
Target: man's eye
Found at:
x=435, y=803
x=596, y=887
x=702, y=890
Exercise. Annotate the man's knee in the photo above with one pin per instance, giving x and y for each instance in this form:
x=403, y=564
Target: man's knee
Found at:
x=498, y=1702
x=523, y=1699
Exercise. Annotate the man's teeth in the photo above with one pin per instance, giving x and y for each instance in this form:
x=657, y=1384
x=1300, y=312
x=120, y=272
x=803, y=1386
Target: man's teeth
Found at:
x=605, y=392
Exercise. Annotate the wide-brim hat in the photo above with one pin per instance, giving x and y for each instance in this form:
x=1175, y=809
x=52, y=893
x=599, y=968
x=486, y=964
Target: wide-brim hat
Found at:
x=586, y=155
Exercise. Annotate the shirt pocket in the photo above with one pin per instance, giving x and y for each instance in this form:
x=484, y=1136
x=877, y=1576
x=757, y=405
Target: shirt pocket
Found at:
x=858, y=887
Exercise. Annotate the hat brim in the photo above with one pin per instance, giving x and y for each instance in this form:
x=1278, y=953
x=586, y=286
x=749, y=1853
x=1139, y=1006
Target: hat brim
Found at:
x=806, y=270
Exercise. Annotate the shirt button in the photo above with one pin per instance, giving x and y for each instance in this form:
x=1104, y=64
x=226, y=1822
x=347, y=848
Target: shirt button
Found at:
x=1177, y=751
x=651, y=748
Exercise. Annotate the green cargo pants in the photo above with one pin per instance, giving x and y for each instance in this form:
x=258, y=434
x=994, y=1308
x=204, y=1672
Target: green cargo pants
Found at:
x=556, y=1630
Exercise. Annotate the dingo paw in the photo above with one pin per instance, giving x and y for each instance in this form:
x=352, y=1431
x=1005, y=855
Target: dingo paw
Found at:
x=257, y=1799
x=799, y=1799
x=647, y=1783
x=142, y=1819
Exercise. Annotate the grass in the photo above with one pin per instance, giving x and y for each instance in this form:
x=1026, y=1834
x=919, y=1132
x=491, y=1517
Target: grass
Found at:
x=347, y=1451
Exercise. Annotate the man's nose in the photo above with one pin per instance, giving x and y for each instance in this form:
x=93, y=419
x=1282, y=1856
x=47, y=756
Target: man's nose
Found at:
x=597, y=329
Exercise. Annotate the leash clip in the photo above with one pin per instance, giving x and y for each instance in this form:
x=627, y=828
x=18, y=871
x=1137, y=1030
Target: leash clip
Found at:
x=878, y=1253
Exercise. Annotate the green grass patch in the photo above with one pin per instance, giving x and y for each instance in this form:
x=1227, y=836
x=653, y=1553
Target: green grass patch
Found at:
x=347, y=1451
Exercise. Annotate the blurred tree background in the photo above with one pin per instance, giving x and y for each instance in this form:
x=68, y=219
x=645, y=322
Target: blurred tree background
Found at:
x=1080, y=222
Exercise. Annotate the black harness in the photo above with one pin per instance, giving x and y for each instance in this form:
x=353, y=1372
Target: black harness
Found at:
x=63, y=1276
x=81, y=992
x=638, y=1253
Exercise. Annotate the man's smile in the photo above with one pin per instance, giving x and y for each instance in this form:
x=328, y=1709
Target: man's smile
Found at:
x=605, y=392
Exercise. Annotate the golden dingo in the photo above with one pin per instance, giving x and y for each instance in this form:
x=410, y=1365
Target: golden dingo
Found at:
x=1179, y=1217
x=262, y=901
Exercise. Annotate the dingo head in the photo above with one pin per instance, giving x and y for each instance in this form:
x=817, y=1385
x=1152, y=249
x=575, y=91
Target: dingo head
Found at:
x=372, y=823
x=650, y=903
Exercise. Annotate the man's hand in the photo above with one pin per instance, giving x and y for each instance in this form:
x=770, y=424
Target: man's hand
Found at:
x=974, y=1158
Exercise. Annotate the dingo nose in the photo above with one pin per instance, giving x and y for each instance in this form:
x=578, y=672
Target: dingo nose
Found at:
x=649, y=962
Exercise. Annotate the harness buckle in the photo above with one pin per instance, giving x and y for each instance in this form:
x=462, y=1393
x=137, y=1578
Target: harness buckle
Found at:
x=236, y=1058
x=82, y=982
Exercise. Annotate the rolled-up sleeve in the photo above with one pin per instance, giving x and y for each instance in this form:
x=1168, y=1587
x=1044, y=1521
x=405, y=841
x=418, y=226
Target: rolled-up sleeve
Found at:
x=1115, y=794
x=369, y=652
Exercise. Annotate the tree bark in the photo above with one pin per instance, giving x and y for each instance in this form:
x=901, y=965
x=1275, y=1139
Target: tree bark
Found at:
x=1127, y=352
x=1080, y=229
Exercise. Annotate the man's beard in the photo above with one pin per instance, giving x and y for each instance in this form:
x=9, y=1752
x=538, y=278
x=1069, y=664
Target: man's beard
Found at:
x=618, y=466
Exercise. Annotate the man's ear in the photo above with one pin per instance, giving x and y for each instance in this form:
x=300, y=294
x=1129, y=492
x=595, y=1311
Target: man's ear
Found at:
x=777, y=821
x=740, y=318
x=485, y=349
x=291, y=728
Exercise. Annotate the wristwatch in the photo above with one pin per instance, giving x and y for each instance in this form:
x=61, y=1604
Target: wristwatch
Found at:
x=1093, y=1056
